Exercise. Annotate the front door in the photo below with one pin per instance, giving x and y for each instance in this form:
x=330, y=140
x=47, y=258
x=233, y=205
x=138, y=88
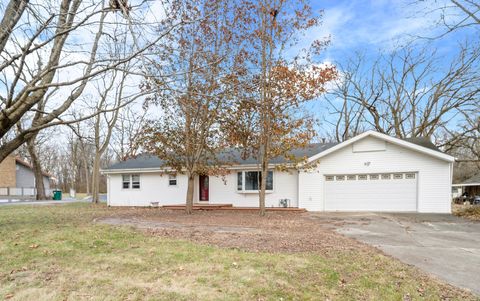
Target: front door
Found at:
x=203, y=188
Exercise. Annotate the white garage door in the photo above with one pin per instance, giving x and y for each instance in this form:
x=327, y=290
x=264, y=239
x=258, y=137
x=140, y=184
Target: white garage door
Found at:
x=371, y=192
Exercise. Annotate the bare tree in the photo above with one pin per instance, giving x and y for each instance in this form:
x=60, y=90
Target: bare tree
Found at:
x=129, y=126
x=348, y=121
x=106, y=122
x=456, y=14
x=50, y=37
x=407, y=93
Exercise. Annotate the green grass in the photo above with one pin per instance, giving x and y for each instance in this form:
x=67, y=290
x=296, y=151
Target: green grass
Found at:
x=59, y=253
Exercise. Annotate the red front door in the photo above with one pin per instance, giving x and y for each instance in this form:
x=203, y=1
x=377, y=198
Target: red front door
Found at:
x=203, y=188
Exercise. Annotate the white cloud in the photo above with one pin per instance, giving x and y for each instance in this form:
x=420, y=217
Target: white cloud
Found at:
x=376, y=23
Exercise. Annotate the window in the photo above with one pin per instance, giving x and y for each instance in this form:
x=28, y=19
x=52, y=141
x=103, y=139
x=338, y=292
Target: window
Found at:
x=329, y=178
x=398, y=176
x=340, y=178
x=386, y=176
x=351, y=177
x=240, y=181
x=172, y=180
x=251, y=181
x=374, y=177
x=410, y=176
x=125, y=181
x=362, y=177
x=135, y=181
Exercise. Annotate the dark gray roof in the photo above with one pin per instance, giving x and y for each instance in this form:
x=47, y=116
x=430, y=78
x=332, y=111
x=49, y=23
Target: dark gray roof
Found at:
x=140, y=161
x=472, y=180
x=233, y=156
x=423, y=141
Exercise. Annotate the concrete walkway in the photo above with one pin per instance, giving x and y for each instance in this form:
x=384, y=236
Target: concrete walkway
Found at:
x=445, y=246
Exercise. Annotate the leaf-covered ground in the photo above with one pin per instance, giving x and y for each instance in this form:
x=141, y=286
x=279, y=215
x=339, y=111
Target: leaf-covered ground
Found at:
x=63, y=252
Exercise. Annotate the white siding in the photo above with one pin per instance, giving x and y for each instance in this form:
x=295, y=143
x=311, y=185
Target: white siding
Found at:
x=285, y=185
x=153, y=188
x=222, y=190
x=434, y=180
x=368, y=145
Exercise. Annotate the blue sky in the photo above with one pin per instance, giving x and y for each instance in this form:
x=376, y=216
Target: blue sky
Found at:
x=378, y=26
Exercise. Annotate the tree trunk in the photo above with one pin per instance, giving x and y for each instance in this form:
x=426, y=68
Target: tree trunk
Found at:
x=87, y=173
x=96, y=179
x=190, y=189
x=37, y=169
x=13, y=12
x=263, y=187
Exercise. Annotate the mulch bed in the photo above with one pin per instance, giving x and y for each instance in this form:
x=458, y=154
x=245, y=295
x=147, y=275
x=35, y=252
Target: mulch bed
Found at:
x=275, y=232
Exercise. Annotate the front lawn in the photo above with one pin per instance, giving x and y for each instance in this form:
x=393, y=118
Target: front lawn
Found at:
x=61, y=253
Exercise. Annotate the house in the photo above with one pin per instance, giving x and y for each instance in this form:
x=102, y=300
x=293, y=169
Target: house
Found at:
x=470, y=186
x=370, y=172
x=17, y=178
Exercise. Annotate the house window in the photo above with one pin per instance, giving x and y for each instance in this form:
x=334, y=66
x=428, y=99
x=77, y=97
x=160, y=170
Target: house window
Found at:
x=340, y=178
x=410, y=176
x=398, y=176
x=362, y=177
x=240, y=181
x=374, y=177
x=386, y=176
x=125, y=181
x=329, y=178
x=135, y=181
x=132, y=181
x=172, y=180
x=251, y=181
x=351, y=177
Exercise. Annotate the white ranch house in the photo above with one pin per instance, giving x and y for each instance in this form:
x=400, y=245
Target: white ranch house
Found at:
x=370, y=172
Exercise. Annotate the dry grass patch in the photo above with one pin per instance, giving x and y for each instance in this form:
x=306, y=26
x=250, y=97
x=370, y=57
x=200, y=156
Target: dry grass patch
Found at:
x=471, y=212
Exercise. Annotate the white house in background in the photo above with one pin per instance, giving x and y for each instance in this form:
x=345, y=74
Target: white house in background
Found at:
x=370, y=172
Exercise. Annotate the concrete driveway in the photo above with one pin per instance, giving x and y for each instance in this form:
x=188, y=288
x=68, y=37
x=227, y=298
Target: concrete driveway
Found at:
x=445, y=246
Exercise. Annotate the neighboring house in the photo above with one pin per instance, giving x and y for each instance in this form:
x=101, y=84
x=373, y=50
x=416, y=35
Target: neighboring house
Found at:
x=370, y=172
x=18, y=179
x=471, y=186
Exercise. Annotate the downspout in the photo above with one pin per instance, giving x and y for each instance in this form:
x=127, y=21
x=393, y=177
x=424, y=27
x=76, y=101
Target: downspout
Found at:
x=108, y=190
x=451, y=183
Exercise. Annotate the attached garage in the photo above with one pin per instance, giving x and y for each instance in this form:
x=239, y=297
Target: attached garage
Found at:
x=371, y=192
x=379, y=173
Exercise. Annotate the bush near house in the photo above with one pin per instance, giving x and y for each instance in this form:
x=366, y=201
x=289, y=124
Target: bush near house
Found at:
x=467, y=211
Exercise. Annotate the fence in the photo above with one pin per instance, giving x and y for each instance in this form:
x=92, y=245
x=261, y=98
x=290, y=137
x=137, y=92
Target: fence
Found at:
x=21, y=192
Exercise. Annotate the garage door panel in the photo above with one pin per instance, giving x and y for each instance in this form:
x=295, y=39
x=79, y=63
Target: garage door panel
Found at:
x=371, y=195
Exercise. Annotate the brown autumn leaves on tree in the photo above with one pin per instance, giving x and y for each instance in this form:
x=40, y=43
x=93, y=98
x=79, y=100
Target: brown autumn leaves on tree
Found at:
x=192, y=79
x=234, y=79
